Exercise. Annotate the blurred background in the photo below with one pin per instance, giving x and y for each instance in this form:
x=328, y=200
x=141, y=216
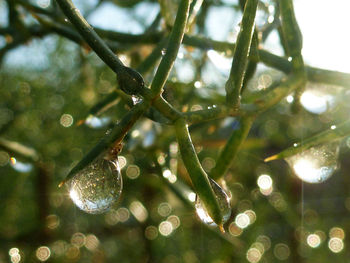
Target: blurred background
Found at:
x=57, y=99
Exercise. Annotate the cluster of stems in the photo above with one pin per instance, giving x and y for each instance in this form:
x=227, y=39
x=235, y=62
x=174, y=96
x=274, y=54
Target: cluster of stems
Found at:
x=107, y=43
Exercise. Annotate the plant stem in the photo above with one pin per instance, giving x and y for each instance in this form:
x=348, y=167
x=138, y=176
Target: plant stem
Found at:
x=334, y=133
x=172, y=49
x=240, y=57
x=90, y=36
x=198, y=176
x=231, y=148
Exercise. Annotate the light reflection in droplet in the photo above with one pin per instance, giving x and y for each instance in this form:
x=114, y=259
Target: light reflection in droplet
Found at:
x=242, y=220
x=165, y=228
x=43, y=253
x=316, y=164
x=335, y=244
x=313, y=240
x=253, y=255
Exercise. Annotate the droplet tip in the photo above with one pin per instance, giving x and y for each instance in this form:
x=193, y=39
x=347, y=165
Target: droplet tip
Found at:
x=271, y=158
x=222, y=230
x=80, y=122
x=61, y=183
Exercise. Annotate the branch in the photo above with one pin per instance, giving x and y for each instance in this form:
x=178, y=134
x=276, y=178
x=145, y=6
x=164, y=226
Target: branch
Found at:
x=172, y=49
x=336, y=132
x=129, y=80
x=198, y=176
x=231, y=148
x=240, y=57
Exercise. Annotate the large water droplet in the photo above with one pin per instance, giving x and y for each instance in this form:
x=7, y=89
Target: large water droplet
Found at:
x=316, y=164
x=97, y=187
x=224, y=204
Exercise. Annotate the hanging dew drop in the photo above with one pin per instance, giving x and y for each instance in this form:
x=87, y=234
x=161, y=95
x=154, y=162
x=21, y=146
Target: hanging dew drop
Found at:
x=224, y=204
x=97, y=187
x=316, y=164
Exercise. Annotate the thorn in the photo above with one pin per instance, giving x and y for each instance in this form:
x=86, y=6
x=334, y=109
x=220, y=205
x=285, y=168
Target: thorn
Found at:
x=222, y=230
x=271, y=158
x=80, y=122
x=61, y=183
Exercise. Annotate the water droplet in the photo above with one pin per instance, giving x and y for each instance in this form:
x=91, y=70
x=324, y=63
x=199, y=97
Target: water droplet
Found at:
x=97, y=187
x=136, y=99
x=224, y=203
x=316, y=164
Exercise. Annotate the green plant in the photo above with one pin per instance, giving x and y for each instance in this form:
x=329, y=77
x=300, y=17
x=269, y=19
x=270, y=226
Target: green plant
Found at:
x=154, y=103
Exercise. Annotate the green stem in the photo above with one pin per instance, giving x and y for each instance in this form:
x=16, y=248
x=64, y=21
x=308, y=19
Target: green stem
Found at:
x=336, y=132
x=198, y=176
x=90, y=36
x=129, y=79
x=294, y=43
x=172, y=49
x=290, y=28
x=231, y=148
x=240, y=57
